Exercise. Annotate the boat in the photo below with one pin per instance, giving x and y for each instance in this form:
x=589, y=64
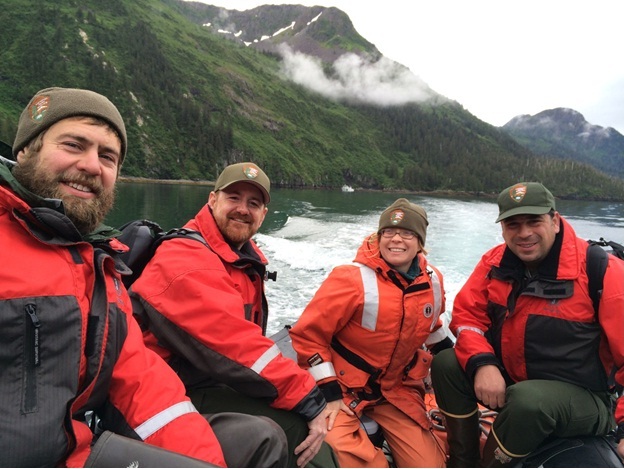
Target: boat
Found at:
x=347, y=188
x=586, y=451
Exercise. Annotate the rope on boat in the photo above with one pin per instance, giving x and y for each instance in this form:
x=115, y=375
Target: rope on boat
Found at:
x=486, y=417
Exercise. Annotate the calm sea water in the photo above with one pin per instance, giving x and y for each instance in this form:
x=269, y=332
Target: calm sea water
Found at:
x=308, y=232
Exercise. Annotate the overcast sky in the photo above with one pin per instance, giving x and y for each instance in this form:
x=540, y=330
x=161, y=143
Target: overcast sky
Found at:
x=500, y=58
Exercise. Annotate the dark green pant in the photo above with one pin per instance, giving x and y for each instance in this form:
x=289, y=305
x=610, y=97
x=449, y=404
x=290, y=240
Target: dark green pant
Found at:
x=534, y=409
x=215, y=400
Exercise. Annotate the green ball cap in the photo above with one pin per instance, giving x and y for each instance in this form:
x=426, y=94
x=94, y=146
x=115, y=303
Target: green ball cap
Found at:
x=405, y=215
x=525, y=198
x=245, y=172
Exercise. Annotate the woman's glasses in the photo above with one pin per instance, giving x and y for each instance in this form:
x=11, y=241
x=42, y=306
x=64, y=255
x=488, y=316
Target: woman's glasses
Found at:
x=391, y=232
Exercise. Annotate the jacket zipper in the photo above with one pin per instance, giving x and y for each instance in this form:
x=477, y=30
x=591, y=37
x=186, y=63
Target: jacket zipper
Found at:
x=32, y=358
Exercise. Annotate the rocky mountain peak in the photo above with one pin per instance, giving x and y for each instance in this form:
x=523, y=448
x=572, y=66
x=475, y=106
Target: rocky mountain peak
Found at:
x=564, y=133
x=565, y=123
x=322, y=32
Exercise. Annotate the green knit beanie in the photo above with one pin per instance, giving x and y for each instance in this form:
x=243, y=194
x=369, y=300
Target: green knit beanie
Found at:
x=406, y=215
x=51, y=105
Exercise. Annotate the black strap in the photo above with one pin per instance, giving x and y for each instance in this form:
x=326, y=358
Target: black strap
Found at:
x=392, y=276
x=363, y=365
x=353, y=358
x=597, y=260
x=181, y=233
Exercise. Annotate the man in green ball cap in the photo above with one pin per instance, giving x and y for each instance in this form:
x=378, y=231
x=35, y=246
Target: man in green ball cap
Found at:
x=529, y=342
x=205, y=311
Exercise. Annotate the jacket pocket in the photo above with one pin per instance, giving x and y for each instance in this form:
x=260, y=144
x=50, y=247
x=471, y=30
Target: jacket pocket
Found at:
x=421, y=367
x=32, y=358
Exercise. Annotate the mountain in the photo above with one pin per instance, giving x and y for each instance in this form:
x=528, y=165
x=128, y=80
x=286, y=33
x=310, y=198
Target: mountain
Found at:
x=326, y=33
x=564, y=133
x=313, y=103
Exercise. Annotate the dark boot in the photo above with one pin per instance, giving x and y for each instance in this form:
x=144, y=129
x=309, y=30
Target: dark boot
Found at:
x=494, y=456
x=463, y=436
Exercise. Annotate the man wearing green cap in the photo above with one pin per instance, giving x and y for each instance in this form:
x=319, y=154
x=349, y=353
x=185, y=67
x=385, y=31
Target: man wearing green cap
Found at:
x=529, y=343
x=204, y=310
x=71, y=347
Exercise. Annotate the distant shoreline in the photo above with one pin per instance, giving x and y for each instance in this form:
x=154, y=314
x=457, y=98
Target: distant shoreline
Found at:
x=444, y=193
x=142, y=180
x=439, y=193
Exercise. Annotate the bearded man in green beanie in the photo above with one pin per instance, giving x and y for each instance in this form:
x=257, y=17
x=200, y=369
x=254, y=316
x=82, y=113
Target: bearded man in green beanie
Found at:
x=73, y=358
x=530, y=343
x=367, y=337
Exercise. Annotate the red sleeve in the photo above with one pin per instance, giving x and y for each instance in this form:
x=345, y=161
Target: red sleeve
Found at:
x=611, y=317
x=469, y=318
x=144, y=386
x=204, y=320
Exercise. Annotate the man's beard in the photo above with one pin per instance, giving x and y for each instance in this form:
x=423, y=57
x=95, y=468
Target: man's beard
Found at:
x=86, y=214
x=234, y=237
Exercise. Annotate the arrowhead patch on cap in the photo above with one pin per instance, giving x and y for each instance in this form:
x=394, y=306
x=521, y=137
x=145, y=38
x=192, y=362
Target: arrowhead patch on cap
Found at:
x=518, y=192
x=251, y=172
x=397, y=216
x=39, y=107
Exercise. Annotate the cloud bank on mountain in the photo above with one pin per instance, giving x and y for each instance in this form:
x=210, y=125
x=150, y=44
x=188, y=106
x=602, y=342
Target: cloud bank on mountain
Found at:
x=357, y=79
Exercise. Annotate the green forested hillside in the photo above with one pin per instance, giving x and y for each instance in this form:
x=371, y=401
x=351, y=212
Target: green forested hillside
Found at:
x=194, y=101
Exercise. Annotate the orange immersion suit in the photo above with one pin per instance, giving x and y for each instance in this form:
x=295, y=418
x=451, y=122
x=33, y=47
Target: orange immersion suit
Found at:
x=362, y=338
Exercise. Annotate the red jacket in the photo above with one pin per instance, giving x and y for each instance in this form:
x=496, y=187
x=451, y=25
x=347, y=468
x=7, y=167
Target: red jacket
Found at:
x=373, y=312
x=203, y=309
x=70, y=345
x=544, y=329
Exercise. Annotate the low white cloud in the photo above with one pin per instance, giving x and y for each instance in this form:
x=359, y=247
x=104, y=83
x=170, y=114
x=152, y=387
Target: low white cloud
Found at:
x=607, y=105
x=356, y=79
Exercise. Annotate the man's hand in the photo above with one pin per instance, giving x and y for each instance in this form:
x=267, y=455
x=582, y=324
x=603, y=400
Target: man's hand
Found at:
x=620, y=449
x=335, y=407
x=312, y=444
x=489, y=386
x=319, y=427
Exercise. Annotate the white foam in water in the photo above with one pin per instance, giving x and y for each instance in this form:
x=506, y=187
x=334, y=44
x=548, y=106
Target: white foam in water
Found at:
x=303, y=252
x=300, y=254
x=311, y=243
